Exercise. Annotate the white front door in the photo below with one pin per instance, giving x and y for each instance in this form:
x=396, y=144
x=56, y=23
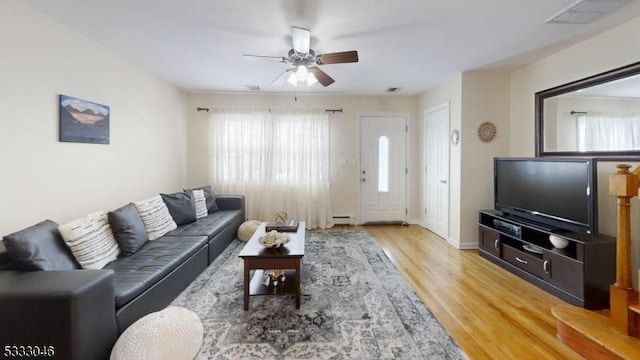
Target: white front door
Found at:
x=436, y=155
x=383, y=169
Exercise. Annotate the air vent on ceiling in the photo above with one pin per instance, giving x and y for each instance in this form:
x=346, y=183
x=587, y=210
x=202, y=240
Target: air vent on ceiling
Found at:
x=253, y=87
x=392, y=89
x=586, y=11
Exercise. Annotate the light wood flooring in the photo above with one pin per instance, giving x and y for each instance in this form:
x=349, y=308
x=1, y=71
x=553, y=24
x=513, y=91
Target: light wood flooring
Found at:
x=491, y=313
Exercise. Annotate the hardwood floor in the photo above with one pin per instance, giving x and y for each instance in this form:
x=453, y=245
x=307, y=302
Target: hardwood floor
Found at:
x=491, y=313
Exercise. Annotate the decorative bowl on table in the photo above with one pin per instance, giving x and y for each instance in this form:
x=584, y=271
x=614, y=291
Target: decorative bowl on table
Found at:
x=273, y=239
x=558, y=242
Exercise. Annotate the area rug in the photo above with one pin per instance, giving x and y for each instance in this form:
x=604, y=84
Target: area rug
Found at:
x=355, y=305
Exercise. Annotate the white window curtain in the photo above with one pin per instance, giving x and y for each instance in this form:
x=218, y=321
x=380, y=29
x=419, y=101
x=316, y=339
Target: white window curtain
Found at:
x=608, y=133
x=278, y=159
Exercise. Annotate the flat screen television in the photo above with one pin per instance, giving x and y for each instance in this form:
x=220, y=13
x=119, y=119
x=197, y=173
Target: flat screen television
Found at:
x=554, y=193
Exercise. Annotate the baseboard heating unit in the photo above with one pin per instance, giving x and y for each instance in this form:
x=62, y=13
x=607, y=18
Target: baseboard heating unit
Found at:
x=342, y=220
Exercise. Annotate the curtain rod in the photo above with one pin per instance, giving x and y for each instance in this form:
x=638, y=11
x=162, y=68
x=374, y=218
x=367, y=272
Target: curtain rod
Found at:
x=326, y=110
x=578, y=112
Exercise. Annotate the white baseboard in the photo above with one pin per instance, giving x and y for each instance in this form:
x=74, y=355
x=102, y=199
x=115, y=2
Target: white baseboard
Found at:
x=466, y=246
x=462, y=246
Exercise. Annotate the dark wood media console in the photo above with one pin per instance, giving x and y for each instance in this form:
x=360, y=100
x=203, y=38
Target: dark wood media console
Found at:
x=579, y=274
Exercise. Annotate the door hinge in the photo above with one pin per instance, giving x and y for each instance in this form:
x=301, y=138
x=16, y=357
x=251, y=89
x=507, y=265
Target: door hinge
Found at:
x=406, y=128
x=406, y=170
x=425, y=210
x=406, y=211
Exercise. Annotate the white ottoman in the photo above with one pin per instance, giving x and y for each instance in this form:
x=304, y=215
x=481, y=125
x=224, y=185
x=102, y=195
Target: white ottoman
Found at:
x=174, y=333
x=247, y=229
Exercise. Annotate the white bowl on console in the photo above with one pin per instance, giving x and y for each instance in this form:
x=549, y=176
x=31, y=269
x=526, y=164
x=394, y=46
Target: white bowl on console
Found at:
x=558, y=242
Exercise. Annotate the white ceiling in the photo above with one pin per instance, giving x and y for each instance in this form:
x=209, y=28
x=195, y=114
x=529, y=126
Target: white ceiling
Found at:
x=197, y=45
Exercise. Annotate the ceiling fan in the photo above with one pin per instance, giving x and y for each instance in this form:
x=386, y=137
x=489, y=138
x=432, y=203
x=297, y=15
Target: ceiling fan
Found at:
x=305, y=61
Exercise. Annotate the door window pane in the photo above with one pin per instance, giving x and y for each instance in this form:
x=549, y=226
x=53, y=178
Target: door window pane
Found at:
x=383, y=164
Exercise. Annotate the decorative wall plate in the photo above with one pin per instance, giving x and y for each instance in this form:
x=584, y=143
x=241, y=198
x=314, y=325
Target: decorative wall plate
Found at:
x=487, y=131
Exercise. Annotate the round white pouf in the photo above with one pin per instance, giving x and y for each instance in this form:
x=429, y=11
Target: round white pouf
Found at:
x=247, y=229
x=174, y=333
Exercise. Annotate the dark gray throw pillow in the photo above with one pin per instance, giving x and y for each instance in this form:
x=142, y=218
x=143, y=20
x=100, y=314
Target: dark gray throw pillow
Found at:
x=210, y=196
x=128, y=229
x=182, y=207
x=39, y=247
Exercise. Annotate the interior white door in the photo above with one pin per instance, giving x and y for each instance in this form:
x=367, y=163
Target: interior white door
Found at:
x=383, y=169
x=436, y=167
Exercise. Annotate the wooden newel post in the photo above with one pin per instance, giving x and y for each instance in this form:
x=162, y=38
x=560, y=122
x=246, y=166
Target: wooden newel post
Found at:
x=624, y=185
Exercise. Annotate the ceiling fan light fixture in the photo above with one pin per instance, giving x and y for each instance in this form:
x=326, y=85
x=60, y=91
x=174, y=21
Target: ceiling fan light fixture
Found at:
x=304, y=61
x=302, y=73
x=311, y=79
x=293, y=79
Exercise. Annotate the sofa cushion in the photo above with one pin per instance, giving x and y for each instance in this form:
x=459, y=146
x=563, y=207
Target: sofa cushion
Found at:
x=136, y=273
x=155, y=216
x=200, y=203
x=128, y=229
x=91, y=240
x=181, y=206
x=210, y=197
x=39, y=247
x=209, y=226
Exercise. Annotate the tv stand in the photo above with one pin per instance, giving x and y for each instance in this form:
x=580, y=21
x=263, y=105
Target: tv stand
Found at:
x=579, y=274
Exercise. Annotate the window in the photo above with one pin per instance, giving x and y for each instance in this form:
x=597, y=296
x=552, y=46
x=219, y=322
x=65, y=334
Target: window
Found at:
x=605, y=132
x=278, y=159
x=383, y=164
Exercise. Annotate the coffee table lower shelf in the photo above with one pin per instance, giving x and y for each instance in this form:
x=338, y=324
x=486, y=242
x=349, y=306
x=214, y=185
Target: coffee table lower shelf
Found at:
x=257, y=287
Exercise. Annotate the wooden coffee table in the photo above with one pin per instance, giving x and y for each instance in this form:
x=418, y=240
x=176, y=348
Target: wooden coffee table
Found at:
x=258, y=258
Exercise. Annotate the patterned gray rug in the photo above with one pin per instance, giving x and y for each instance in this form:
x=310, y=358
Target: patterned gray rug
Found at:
x=355, y=305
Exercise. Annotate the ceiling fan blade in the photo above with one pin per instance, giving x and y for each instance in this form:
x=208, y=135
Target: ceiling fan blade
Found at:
x=321, y=76
x=301, y=39
x=264, y=57
x=282, y=77
x=337, y=58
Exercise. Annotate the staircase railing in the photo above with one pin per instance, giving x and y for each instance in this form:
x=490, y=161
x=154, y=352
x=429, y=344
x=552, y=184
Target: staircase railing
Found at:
x=624, y=185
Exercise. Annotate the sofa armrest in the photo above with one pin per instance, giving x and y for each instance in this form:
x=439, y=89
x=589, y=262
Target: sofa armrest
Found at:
x=71, y=312
x=5, y=260
x=231, y=202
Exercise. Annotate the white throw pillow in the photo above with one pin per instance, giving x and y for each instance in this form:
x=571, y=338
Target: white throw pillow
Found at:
x=155, y=216
x=91, y=241
x=201, y=203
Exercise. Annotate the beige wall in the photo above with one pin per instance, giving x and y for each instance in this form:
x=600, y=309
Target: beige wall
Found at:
x=43, y=178
x=343, y=137
x=611, y=49
x=485, y=97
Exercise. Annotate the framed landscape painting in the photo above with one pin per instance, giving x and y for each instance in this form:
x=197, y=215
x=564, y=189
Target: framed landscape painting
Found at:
x=83, y=121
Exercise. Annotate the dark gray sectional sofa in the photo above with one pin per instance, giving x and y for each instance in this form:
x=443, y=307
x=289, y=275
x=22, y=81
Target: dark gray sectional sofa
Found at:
x=80, y=313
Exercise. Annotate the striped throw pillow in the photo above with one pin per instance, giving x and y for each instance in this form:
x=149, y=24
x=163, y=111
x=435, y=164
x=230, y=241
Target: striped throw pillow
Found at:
x=91, y=240
x=155, y=216
x=201, y=203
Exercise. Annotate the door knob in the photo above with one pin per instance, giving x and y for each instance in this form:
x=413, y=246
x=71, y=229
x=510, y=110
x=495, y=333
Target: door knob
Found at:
x=363, y=180
x=443, y=181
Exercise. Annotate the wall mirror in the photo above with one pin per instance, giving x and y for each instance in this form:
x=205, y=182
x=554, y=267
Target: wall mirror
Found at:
x=598, y=116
